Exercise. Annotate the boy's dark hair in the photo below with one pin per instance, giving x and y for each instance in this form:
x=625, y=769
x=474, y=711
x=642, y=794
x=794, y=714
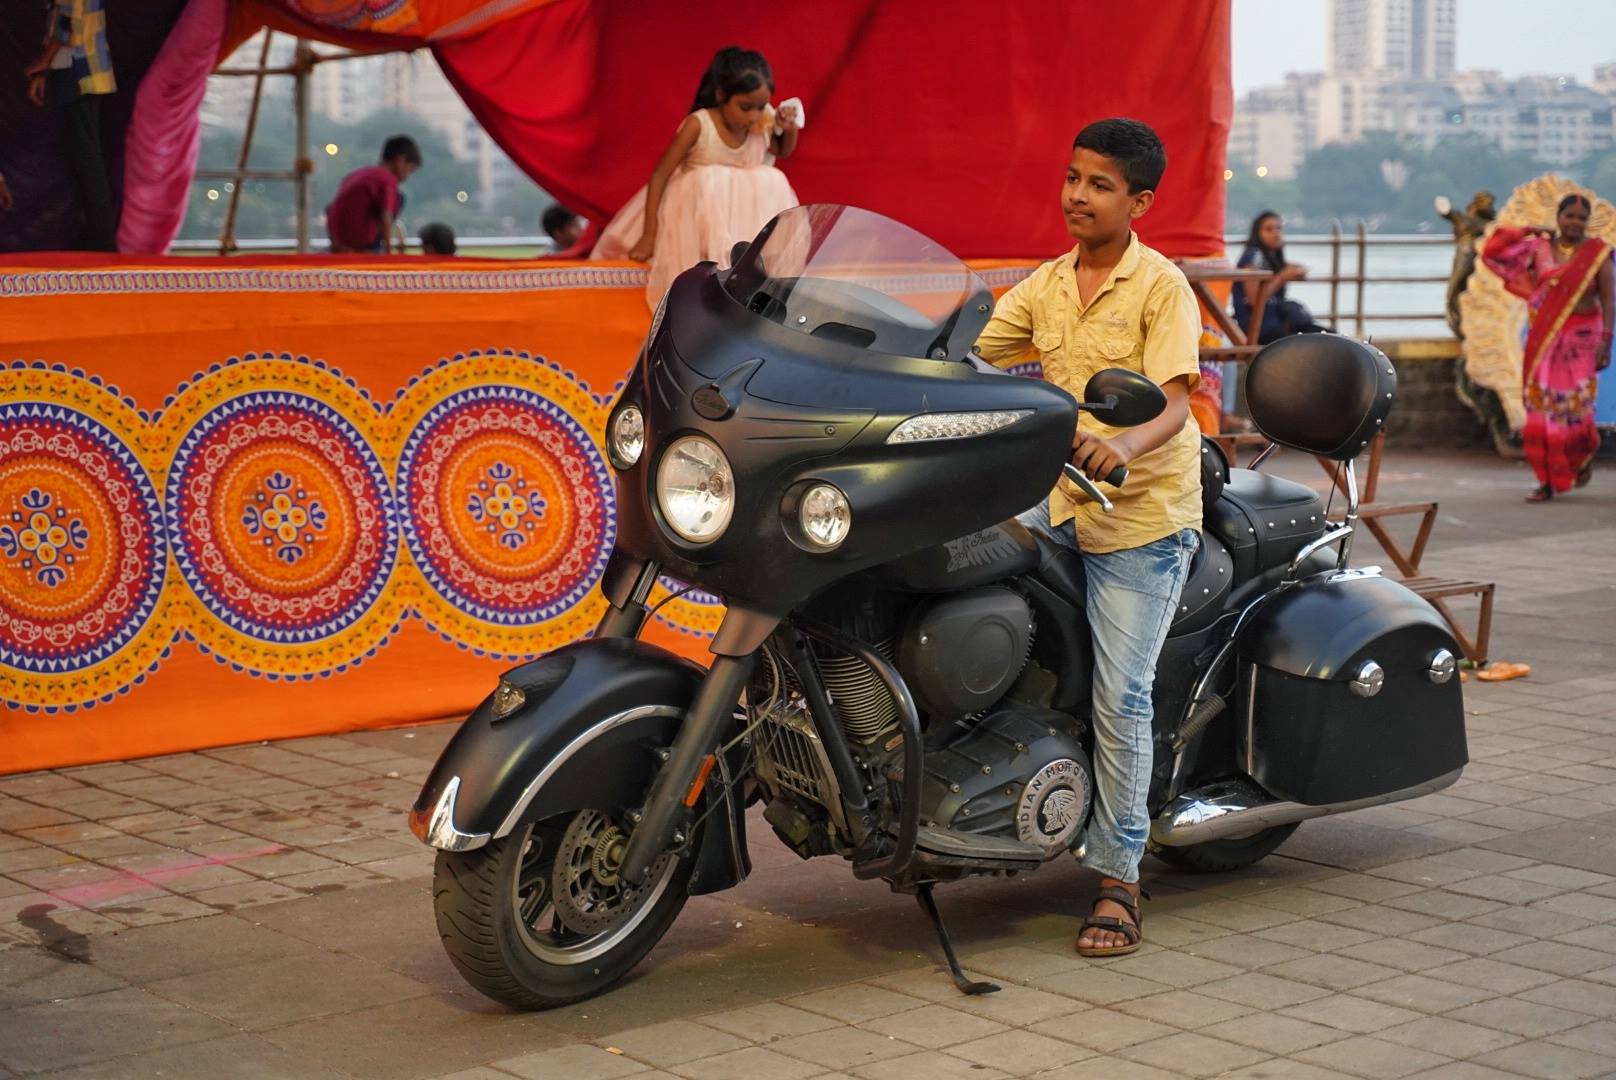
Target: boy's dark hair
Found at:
x=556, y=218
x=1132, y=145
x=437, y=239
x=734, y=70
x=401, y=146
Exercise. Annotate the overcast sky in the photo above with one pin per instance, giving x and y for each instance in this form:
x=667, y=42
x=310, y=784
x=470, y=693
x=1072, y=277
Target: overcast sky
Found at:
x=1517, y=37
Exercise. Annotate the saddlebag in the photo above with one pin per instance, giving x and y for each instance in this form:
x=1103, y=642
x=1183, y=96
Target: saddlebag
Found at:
x=1348, y=690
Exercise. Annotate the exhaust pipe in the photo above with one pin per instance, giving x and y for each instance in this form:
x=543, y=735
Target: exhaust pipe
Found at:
x=1234, y=809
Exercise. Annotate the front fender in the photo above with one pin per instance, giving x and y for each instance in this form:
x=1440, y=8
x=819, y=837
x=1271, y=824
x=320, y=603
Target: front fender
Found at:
x=585, y=737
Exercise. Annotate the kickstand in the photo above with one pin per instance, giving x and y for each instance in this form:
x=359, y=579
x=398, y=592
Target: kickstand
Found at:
x=929, y=905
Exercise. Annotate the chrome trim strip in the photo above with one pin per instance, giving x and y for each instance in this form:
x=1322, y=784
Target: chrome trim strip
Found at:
x=436, y=828
x=1251, y=720
x=1237, y=808
x=554, y=764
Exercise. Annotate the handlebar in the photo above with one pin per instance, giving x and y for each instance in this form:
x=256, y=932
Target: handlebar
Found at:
x=1114, y=478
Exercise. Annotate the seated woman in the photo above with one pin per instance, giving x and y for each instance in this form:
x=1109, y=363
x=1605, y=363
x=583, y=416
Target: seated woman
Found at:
x=1265, y=250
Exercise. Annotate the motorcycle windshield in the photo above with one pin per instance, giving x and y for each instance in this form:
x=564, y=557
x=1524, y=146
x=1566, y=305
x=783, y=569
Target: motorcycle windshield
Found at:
x=860, y=279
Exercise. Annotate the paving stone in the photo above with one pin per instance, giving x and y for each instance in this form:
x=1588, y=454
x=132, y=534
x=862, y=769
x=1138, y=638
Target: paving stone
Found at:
x=239, y=1057
x=1504, y=889
x=1367, y=888
x=1285, y=1069
x=1424, y=994
x=1182, y=1009
x=1548, y=1061
x=1581, y=904
x=843, y=1048
x=1302, y=901
x=577, y=1062
x=1486, y=973
x=152, y=953
x=1020, y=1053
x=1314, y=936
x=1555, y=957
x=1380, y=921
x=1442, y=1035
x=1596, y=1038
x=1469, y=938
x=78, y=1030
x=1373, y=1058
x=1173, y=968
x=1404, y=954
x=1443, y=904
x=934, y=1026
x=1015, y=1005
x=1350, y=1013
x=1274, y=1034
x=765, y=1023
x=1248, y=951
x=29, y=976
x=1335, y=971
x=1242, y=917
x=1192, y=1054
x=1103, y=1030
x=267, y=994
x=1111, y=1068
x=1576, y=995
x=1425, y=873
x=855, y=1004
x=1520, y=1017
x=927, y=1064
x=746, y=1063
x=1536, y=922
x=1097, y=986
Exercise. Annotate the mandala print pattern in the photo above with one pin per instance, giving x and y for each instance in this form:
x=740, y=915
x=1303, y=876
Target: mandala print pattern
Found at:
x=507, y=503
x=82, y=554
x=686, y=609
x=286, y=523
x=281, y=522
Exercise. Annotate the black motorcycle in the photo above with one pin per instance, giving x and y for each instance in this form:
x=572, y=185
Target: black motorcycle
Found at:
x=902, y=676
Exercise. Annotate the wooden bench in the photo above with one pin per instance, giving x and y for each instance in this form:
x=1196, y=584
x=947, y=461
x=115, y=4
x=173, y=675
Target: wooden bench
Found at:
x=1437, y=591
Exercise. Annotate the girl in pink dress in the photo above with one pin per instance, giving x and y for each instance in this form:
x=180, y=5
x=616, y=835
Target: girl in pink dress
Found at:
x=716, y=183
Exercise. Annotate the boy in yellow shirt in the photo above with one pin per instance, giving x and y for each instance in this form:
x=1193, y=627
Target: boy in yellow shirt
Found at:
x=1113, y=302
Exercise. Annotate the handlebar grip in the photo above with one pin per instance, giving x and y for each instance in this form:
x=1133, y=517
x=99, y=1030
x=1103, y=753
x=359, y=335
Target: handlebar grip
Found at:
x=1116, y=476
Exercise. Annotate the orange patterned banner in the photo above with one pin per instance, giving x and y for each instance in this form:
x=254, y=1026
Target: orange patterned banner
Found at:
x=259, y=499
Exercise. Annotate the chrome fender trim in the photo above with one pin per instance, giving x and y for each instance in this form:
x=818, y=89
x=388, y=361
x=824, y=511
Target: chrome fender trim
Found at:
x=554, y=765
x=1232, y=809
x=436, y=828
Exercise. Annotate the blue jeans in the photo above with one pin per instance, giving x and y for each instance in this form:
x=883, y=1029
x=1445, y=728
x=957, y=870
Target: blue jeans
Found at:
x=1130, y=596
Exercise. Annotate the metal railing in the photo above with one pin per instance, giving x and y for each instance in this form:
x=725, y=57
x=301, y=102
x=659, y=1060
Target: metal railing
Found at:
x=1354, y=308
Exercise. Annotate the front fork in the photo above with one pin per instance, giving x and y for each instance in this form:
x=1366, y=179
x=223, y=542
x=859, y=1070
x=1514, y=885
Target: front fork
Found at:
x=703, y=727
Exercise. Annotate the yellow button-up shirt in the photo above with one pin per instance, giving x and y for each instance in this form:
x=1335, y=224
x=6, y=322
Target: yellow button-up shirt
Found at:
x=1144, y=318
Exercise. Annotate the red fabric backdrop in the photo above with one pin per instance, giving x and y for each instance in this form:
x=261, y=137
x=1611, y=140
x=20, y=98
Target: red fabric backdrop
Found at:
x=955, y=116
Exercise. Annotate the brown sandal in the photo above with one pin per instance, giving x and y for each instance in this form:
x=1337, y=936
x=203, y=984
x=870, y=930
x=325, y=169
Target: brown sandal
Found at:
x=1130, y=930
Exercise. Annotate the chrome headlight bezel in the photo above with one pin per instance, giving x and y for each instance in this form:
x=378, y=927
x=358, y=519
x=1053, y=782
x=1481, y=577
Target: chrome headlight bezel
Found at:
x=625, y=437
x=816, y=500
x=677, y=518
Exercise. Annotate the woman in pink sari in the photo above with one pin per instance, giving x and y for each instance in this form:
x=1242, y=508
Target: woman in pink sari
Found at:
x=1566, y=279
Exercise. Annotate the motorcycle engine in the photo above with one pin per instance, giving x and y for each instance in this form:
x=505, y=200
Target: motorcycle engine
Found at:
x=1019, y=772
x=961, y=654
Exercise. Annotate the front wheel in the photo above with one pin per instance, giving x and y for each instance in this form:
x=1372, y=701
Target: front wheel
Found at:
x=540, y=918
x=1222, y=856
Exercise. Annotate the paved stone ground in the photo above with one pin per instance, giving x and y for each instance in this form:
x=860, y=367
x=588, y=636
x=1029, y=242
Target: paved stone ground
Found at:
x=261, y=911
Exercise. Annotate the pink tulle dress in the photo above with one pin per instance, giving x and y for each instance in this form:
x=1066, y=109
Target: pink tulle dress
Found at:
x=718, y=195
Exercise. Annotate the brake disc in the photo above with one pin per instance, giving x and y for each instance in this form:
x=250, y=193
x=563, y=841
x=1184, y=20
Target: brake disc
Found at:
x=589, y=896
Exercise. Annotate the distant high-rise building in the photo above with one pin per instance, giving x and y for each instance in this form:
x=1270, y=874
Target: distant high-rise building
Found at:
x=1395, y=39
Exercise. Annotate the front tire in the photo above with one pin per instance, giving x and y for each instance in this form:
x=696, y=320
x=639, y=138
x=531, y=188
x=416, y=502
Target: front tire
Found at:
x=1222, y=856
x=538, y=919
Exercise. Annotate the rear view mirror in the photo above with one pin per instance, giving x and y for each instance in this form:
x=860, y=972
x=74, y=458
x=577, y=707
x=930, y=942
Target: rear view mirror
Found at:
x=1123, y=398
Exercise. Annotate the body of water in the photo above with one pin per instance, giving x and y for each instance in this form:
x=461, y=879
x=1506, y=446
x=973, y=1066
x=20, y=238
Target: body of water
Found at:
x=1382, y=302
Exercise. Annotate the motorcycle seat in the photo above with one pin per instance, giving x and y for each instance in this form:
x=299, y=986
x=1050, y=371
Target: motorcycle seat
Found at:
x=1210, y=578
x=1264, y=520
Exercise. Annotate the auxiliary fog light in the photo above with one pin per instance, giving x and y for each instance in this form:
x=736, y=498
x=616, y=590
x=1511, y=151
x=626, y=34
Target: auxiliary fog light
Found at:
x=825, y=516
x=696, y=489
x=626, y=441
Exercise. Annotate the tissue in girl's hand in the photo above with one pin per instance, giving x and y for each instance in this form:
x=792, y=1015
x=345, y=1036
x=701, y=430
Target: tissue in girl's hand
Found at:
x=790, y=103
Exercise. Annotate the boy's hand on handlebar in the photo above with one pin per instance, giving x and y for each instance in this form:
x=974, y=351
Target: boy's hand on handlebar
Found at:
x=1098, y=457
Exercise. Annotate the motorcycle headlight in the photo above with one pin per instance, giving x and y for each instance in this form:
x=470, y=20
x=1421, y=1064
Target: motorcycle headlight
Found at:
x=825, y=516
x=696, y=489
x=626, y=440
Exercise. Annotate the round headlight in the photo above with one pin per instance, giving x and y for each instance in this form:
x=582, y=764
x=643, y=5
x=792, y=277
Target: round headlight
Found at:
x=696, y=489
x=825, y=516
x=626, y=441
